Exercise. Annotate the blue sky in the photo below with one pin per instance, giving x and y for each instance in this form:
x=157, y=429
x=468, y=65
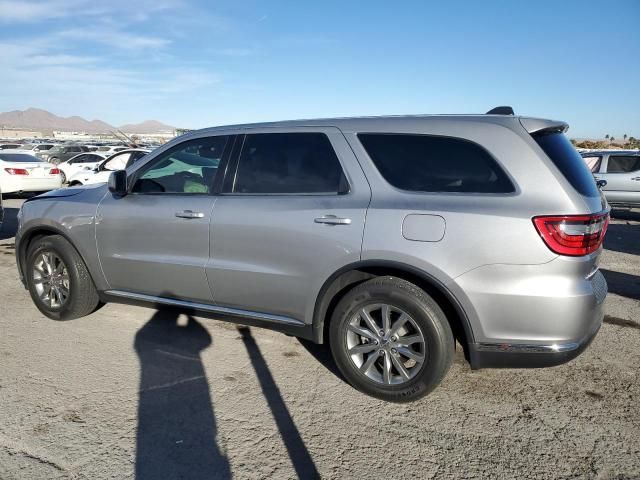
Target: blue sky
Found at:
x=202, y=63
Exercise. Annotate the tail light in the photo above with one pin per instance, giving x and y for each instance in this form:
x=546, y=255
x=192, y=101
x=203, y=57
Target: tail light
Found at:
x=16, y=171
x=573, y=235
x=54, y=171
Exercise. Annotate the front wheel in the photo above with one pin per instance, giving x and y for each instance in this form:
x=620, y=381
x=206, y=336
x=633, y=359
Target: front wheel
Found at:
x=391, y=340
x=58, y=279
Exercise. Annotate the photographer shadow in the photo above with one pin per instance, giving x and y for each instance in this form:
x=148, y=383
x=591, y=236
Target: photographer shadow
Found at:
x=176, y=436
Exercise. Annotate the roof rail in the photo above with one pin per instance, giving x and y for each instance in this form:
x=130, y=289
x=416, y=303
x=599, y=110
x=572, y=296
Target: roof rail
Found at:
x=504, y=110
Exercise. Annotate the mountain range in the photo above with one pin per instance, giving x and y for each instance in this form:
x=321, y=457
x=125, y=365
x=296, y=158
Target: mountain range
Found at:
x=38, y=119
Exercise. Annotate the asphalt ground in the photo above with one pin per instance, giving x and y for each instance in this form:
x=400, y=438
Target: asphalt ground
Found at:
x=131, y=392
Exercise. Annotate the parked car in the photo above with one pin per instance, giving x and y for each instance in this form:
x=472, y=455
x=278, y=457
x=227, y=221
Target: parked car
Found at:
x=82, y=162
x=10, y=146
x=21, y=172
x=386, y=237
x=108, y=150
x=61, y=153
x=621, y=170
x=101, y=172
x=35, y=148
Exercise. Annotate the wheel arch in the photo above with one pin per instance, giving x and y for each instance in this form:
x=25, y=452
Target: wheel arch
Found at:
x=36, y=232
x=341, y=281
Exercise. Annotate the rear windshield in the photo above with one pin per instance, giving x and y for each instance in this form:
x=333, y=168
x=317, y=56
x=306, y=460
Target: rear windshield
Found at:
x=559, y=149
x=18, y=157
x=427, y=163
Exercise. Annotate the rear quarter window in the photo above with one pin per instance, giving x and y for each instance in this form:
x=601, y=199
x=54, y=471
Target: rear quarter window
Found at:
x=427, y=163
x=567, y=159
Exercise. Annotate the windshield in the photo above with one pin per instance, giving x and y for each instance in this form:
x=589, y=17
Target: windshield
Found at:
x=18, y=157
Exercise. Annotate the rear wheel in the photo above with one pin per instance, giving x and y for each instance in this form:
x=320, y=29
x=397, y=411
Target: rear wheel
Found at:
x=58, y=279
x=63, y=177
x=391, y=340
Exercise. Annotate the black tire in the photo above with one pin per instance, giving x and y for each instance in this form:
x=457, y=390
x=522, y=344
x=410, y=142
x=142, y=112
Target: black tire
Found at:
x=439, y=346
x=54, y=160
x=82, y=298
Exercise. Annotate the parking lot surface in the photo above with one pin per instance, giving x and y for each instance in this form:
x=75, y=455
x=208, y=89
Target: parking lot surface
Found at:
x=130, y=392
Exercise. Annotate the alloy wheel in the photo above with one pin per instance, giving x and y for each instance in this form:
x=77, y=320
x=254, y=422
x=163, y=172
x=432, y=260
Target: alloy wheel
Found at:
x=385, y=344
x=51, y=279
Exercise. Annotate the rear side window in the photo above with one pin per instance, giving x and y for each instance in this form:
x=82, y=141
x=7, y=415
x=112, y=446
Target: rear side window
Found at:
x=289, y=163
x=623, y=163
x=426, y=163
x=567, y=159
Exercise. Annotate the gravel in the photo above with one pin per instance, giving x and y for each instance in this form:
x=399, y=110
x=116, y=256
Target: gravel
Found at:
x=133, y=392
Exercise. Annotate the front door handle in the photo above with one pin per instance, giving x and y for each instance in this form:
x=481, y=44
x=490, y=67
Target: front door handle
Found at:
x=189, y=214
x=333, y=220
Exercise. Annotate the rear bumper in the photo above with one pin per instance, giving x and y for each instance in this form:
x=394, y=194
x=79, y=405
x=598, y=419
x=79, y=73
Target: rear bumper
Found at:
x=533, y=316
x=19, y=184
x=494, y=355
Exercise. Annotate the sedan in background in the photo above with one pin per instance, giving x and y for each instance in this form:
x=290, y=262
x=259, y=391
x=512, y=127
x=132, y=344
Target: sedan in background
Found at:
x=621, y=170
x=62, y=153
x=108, y=150
x=35, y=148
x=82, y=162
x=21, y=172
x=101, y=173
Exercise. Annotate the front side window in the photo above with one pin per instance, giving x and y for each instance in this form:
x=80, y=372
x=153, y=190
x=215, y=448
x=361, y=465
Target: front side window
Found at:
x=289, y=163
x=426, y=163
x=623, y=163
x=593, y=162
x=190, y=167
x=117, y=162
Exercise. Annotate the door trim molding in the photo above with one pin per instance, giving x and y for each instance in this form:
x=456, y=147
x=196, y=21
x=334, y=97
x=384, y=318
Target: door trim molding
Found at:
x=234, y=312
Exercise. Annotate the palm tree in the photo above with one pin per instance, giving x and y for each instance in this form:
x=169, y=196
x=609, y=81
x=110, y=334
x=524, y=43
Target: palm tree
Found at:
x=625, y=138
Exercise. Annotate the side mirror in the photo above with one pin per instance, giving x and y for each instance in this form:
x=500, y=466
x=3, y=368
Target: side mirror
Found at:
x=118, y=183
x=601, y=183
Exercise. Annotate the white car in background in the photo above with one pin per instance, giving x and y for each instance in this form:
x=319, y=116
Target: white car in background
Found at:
x=101, y=173
x=21, y=172
x=35, y=148
x=108, y=150
x=80, y=163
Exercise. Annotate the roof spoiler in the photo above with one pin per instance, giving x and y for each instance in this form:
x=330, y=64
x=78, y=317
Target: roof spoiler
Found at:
x=542, y=126
x=504, y=110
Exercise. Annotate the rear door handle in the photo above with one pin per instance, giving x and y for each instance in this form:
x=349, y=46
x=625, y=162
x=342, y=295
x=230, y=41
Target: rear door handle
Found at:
x=637, y=179
x=189, y=214
x=332, y=220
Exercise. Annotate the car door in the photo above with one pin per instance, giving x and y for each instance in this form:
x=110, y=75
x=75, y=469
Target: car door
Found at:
x=155, y=240
x=291, y=212
x=622, y=173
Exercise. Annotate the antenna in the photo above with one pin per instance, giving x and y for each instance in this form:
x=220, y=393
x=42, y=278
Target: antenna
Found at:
x=504, y=110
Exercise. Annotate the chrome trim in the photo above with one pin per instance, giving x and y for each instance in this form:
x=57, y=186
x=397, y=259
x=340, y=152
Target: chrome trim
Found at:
x=207, y=308
x=540, y=348
x=526, y=348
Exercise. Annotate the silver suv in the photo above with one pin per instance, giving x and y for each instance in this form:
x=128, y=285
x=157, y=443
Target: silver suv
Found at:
x=620, y=170
x=389, y=238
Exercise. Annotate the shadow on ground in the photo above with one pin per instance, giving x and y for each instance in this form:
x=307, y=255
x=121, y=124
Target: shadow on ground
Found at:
x=9, y=224
x=176, y=436
x=623, y=284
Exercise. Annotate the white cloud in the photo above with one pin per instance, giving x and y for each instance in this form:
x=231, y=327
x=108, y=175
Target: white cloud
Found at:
x=12, y=11
x=115, y=38
x=75, y=84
